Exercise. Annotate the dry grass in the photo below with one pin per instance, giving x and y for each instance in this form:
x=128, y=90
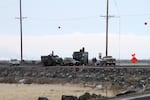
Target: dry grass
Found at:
x=33, y=91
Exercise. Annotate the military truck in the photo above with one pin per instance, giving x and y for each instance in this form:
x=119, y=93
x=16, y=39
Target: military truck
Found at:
x=81, y=56
x=107, y=61
x=51, y=60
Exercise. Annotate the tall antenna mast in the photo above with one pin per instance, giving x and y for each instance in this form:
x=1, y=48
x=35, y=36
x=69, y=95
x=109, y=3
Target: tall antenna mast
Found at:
x=107, y=16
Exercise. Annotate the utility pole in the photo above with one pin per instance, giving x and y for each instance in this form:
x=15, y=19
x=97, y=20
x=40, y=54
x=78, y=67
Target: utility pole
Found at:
x=21, y=47
x=107, y=20
x=107, y=16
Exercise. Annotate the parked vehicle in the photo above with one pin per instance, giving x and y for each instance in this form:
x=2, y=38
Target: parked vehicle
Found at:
x=70, y=62
x=107, y=61
x=51, y=60
x=81, y=56
x=14, y=62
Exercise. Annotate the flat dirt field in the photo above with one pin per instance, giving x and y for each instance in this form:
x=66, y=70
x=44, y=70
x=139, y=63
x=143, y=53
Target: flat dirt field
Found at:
x=33, y=91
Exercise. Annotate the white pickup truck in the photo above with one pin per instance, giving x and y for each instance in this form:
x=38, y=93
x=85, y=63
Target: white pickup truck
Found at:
x=14, y=62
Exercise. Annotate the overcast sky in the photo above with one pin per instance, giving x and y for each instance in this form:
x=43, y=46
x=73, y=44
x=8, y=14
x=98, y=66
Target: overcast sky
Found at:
x=82, y=25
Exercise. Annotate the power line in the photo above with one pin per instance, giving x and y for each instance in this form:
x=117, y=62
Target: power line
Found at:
x=117, y=7
x=64, y=19
x=119, y=27
x=133, y=15
x=84, y=18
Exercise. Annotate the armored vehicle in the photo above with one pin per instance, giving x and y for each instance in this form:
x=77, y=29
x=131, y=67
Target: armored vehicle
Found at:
x=51, y=60
x=107, y=61
x=81, y=56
